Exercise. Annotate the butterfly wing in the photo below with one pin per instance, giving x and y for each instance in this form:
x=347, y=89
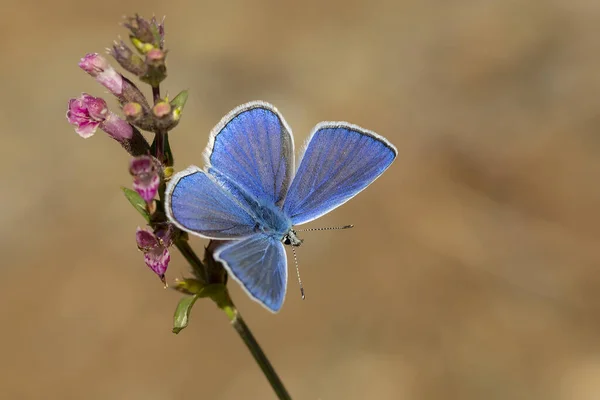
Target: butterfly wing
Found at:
x=195, y=202
x=259, y=264
x=251, y=152
x=340, y=161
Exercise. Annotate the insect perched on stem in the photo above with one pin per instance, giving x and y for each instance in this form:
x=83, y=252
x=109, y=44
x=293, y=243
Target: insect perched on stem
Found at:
x=249, y=192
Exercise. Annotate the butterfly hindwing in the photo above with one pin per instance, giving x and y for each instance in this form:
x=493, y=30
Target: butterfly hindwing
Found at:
x=340, y=160
x=259, y=264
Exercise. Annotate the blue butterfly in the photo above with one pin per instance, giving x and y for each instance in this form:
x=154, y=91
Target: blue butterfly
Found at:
x=250, y=193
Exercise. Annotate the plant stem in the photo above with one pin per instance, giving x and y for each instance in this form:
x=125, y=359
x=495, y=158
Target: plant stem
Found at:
x=159, y=134
x=259, y=356
x=156, y=93
x=225, y=303
x=186, y=250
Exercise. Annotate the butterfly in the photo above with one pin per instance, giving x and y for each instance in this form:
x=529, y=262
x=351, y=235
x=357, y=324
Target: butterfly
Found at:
x=250, y=194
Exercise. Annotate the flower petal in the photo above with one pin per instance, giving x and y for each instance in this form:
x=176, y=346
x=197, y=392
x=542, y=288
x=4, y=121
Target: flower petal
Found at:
x=85, y=113
x=165, y=234
x=87, y=129
x=93, y=64
x=158, y=260
x=148, y=189
x=111, y=80
x=146, y=240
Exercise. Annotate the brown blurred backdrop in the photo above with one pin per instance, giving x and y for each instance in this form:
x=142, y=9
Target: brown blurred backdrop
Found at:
x=472, y=272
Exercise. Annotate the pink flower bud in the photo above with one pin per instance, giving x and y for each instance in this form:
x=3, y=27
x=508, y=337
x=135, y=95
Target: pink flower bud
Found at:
x=161, y=109
x=126, y=91
x=165, y=117
x=136, y=115
x=133, y=111
x=98, y=67
x=156, y=57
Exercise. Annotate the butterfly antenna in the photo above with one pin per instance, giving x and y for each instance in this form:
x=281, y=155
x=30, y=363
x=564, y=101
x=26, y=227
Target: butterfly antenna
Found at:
x=333, y=228
x=298, y=273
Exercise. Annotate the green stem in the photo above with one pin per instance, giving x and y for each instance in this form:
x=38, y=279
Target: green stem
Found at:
x=159, y=134
x=225, y=303
x=156, y=93
x=259, y=356
x=238, y=323
x=186, y=250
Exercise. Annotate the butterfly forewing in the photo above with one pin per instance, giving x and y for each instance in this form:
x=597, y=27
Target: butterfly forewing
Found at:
x=340, y=161
x=251, y=151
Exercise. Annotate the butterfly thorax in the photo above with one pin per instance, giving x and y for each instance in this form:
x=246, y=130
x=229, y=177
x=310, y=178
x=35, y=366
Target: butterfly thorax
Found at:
x=271, y=220
x=269, y=217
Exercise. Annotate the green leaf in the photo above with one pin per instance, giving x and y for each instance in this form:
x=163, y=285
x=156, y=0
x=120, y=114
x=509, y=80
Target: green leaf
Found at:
x=180, y=100
x=137, y=202
x=182, y=313
x=188, y=286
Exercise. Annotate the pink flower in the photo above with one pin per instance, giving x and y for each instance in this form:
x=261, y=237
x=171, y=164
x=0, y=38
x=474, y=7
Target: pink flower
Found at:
x=98, y=67
x=86, y=113
x=155, y=246
x=146, y=179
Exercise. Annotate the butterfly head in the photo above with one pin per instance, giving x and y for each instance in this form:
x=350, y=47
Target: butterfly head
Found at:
x=291, y=239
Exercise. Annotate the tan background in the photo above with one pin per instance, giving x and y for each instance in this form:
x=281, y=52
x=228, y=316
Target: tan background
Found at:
x=473, y=271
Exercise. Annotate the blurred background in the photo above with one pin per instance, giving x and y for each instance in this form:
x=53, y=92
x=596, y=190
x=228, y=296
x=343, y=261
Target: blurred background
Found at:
x=472, y=272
